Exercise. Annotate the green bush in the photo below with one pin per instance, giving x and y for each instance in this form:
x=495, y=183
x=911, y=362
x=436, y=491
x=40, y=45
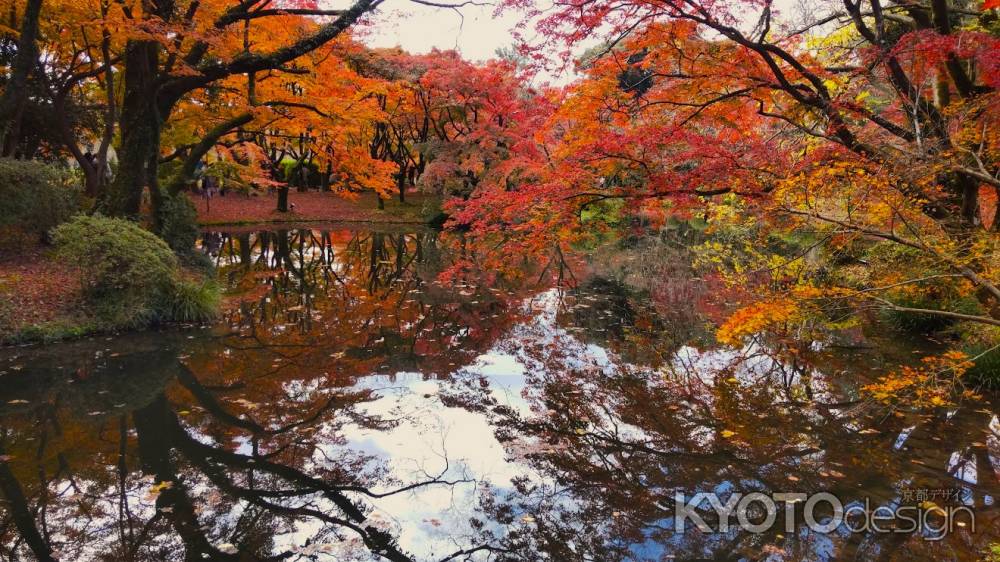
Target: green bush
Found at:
x=34, y=197
x=432, y=213
x=179, y=228
x=179, y=224
x=115, y=255
x=983, y=346
x=921, y=323
x=131, y=278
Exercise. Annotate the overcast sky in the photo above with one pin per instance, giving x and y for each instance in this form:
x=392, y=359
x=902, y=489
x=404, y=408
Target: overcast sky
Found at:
x=418, y=29
x=472, y=30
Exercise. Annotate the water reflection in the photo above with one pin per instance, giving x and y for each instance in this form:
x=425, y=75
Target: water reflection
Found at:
x=351, y=406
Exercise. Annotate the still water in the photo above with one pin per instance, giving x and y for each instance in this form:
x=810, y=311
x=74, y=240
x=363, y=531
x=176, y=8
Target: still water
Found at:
x=354, y=404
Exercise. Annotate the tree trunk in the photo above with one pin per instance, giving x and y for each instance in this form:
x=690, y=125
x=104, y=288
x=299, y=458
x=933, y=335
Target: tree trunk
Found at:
x=970, y=202
x=401, y=185
x=283, y=198
x=15, y=95
x=140, y=133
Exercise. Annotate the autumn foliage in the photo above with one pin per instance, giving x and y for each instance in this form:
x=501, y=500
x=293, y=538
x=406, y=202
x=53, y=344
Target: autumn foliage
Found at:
x=866, y=137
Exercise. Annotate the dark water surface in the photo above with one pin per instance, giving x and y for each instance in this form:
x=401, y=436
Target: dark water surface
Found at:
x=351, y=406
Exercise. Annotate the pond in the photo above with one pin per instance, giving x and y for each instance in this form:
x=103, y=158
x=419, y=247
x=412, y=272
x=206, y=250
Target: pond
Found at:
x=355, y=404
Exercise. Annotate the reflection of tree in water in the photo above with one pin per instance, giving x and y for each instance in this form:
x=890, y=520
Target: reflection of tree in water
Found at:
x=202, y=469
x=614, y=444
x=237, y=445
x=367, y=298
x=245, y=448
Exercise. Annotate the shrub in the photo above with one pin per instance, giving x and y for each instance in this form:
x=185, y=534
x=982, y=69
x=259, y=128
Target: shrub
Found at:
x=921, y=323
x=179, y=228
x=179, y=224
x=131, y=277
x=432, y=213
x=34, y=197
x=115, y=255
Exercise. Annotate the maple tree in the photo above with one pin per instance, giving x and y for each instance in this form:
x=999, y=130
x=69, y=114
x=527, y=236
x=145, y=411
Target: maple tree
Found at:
x=149, y=64
x=868, y=133
x=879, y=137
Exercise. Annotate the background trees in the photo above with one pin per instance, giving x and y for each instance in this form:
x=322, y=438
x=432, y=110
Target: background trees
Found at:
x=869, y=129
x=867, y=132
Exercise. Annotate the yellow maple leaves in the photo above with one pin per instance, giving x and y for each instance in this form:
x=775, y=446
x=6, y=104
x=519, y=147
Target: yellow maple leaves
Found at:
x=935, y=382
x=756, y=318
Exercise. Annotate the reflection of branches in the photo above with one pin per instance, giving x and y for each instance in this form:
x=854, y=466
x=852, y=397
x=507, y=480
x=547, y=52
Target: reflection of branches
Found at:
x=211, y=461
x=17, y=506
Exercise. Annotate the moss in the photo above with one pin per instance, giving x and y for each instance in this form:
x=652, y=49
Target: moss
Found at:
x=54, y=331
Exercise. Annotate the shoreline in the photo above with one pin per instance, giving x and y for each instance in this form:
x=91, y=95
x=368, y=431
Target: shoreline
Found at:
x=40, y=300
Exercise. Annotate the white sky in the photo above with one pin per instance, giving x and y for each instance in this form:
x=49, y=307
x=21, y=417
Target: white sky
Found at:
x=474, y=32
x=417, y=28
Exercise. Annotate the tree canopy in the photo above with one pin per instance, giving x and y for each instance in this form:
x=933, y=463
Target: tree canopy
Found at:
x=868, y=128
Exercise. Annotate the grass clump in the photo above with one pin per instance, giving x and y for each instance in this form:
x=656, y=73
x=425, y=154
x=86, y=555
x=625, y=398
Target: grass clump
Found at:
x=191, y=301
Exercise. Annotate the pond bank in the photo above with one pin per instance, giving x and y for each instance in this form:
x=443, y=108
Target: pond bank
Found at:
x=41, y=301
x=311, y=206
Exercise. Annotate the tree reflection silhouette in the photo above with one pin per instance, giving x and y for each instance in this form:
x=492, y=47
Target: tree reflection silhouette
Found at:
x=253, y=440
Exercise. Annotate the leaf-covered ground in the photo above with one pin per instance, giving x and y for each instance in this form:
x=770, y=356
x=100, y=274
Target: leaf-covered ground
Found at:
x=35, y=289
x=312, y=206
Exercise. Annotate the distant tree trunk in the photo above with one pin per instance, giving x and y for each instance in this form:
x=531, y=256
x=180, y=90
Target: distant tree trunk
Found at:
x=996, y=212
x=283, y=198
x=381, y=202
x=301, y=176
x=401, y=185
x=325, y=180
x=15, y=95
x=970, y=202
